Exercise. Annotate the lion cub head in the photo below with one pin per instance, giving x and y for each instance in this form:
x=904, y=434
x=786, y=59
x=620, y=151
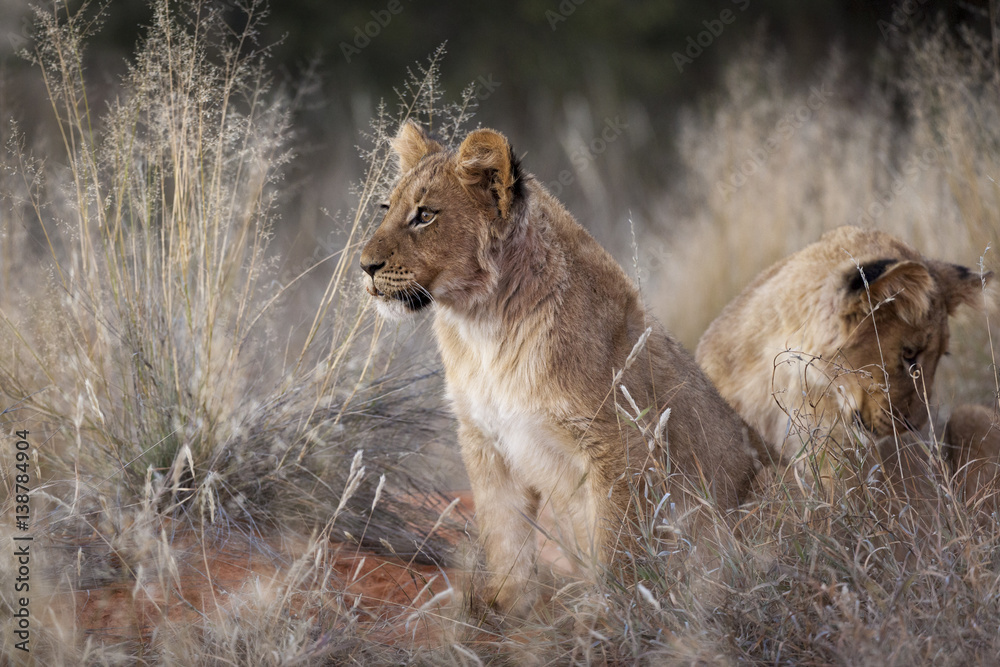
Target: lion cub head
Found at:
x=443, y=222
x=838, y=342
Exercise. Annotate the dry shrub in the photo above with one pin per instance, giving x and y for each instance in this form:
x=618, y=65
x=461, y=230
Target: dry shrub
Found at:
x=170, y=395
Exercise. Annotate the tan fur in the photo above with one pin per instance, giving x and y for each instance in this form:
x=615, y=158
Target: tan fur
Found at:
x=973, y=450
x=533, y=318
x=970, y=457
x=820, y=359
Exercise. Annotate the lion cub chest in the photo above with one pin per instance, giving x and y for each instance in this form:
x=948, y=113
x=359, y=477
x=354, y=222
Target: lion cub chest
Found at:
x=498, y=386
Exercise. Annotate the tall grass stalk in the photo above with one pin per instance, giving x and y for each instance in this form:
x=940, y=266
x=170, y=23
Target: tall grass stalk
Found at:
x=142, y=353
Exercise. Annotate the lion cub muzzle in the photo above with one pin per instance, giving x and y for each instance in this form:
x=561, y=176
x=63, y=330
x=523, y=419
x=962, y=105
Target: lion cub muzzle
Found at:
x=392, y=284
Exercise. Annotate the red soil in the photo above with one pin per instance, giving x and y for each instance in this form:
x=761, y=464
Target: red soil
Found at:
x=208, y=577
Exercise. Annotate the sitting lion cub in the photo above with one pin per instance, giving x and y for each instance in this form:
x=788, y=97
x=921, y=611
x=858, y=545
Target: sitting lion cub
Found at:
x=533, y=320
x=837, y=343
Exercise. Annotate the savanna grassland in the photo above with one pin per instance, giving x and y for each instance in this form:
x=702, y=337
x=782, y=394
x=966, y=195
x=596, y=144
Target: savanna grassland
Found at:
x=231, y=460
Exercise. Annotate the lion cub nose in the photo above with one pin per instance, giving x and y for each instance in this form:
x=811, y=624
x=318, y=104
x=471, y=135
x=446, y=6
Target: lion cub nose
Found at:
x=371, y=268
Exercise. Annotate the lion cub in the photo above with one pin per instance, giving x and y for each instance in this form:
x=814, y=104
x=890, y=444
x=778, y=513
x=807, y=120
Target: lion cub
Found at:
x=533, y=320
x=972, y=439
x=836, y=345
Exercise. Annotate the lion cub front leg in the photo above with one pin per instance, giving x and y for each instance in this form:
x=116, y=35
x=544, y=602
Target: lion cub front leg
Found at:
x=505, y=506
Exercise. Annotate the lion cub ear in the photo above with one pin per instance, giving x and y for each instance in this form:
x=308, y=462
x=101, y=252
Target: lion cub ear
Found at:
x=905, y=286
x=486, y=159
x=411, y=144
x=961, y=286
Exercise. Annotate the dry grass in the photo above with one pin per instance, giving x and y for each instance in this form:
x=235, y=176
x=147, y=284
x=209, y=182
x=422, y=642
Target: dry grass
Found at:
x=912, y=156
x=187, y=435
x=173, y=411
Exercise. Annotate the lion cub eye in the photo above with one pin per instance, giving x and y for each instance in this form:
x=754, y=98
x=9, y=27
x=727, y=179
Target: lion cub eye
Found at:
x=424, y=217
x=911, y=355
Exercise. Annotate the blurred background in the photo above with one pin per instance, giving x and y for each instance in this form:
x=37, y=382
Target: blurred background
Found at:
x=550, y=74
x=698, y=142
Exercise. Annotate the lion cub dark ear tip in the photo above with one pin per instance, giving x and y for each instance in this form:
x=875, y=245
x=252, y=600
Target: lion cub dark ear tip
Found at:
x=873, y=271
x=968, y=274
x=515, y=167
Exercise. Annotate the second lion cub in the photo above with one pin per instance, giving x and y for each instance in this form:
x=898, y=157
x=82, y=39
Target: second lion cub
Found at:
x=837, y=345
x=533, y=320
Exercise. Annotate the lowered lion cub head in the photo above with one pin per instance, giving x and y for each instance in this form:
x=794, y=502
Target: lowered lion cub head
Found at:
x=438, y=239
x=837, y=343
